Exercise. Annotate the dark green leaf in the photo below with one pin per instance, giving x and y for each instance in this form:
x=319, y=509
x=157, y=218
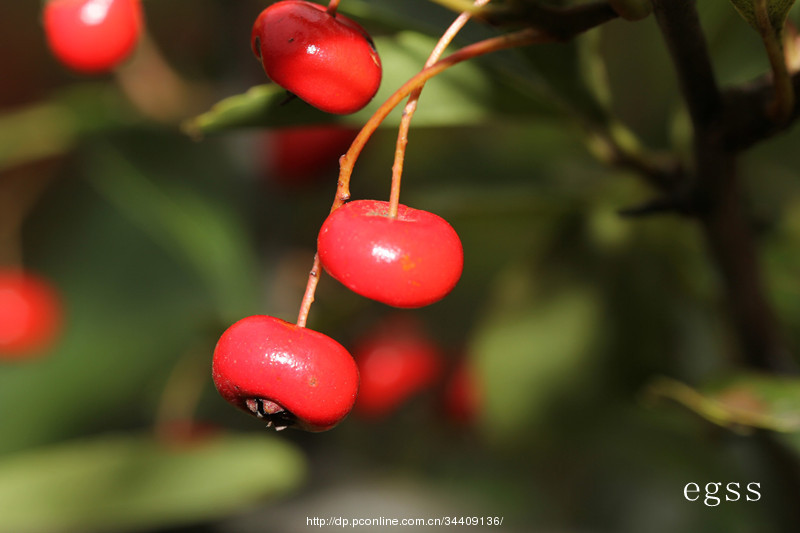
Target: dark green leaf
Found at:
x=207, y=234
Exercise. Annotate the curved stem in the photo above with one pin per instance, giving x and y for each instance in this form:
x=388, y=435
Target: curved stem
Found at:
x=347, y=161
x=782, y=105
x=411, y=107
x=333, y=5
x=308, y=296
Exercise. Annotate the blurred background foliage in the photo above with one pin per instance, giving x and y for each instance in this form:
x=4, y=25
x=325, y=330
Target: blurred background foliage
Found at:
x=579, y=323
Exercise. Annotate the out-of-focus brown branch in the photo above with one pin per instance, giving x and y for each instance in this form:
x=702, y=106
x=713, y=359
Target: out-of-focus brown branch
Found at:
x=716, y=190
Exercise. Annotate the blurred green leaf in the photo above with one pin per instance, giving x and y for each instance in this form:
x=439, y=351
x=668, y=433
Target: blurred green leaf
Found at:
x=54, y=126
x=531, y=348
x=777, y=11
x=207, y=234
x=562, y=67
x=740, y=402
x=127, y=482
x=262, y=105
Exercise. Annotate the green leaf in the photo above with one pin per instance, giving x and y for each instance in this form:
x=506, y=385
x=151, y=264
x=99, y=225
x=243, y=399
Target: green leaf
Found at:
x=777, y=11
x=55, y=126
x=532, y=349
x=134, y=482
x=261, y=105
x=204, y=232
x=740, y=402
x=562, y=71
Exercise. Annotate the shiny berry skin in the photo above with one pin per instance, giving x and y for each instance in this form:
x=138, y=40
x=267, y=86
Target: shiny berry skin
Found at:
x=395, y=362
x=92, y=36
x=298, y=155
x=329, y=61
x=410, y=261
x=287, y=374
x=30, y=314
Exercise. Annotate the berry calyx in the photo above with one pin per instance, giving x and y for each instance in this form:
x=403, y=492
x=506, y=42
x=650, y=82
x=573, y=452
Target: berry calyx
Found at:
x=325, y=59
x=284, y=373
x=92, y=36
x=395, y=362
x=409, y=261
x=30, y=314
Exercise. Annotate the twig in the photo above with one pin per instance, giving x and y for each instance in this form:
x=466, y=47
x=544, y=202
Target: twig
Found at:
x=747, y=120
x=716, y=190
x=782, y=103
x=411, y=107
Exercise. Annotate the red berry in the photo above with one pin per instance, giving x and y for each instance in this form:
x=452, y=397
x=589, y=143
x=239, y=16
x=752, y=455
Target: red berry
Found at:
x=92, y=36
x=327, y=60
x=409, y=261
x=30, y=314
x=302, y=153
x=287, y=374
x=395, y=362
x=463, y=395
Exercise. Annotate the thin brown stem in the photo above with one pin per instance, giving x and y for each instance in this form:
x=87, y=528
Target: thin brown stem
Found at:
x=782, y=104
x=411, y=107
x=347, y=161
x=311, y=289
x=333, y=5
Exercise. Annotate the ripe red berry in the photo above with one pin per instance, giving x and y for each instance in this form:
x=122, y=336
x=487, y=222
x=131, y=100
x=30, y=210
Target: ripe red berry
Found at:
x=327, y=60
x=92, y=36
x=287, y=374
x=30, y=314
x=298, y=155
x=395, y=362
x=409, y=261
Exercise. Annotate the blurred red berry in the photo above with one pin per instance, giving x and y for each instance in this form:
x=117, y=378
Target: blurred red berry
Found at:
x=300, y=154
x=30, y=314
x=395, y=362
x=92, y=36
x=463, y=395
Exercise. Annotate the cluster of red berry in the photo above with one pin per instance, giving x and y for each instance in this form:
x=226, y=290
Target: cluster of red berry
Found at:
x=397, y=360
x=391, y=253
x=403, y=257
